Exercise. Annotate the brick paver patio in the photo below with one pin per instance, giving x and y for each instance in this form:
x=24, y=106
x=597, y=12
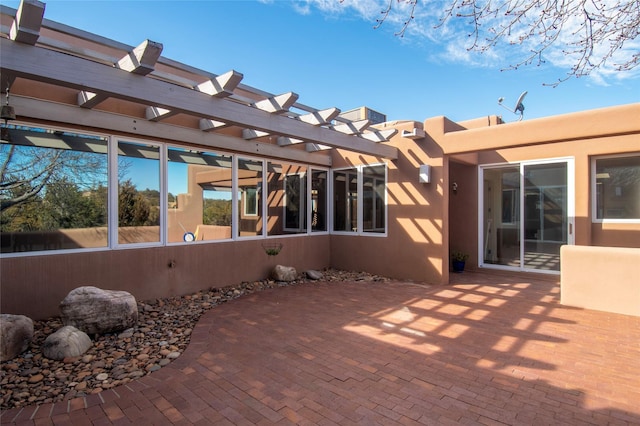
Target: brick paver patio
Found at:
x=489, y=349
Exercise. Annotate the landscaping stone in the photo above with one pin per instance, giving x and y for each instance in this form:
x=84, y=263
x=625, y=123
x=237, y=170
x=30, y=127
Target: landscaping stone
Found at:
x=284, y=273
x=16, y=333
x=314, y=275
x=170, y=321
x=68, y=342
x=97, y=311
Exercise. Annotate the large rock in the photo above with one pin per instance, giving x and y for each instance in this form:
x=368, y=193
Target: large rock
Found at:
x=66, y=342
x=97, y=311
x=16, y=333
x=284, y=273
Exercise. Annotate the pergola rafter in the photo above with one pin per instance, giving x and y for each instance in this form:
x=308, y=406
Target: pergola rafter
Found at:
x=166, y=88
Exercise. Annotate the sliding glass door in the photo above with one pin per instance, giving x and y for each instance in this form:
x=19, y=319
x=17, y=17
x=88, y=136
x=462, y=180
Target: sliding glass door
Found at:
x=527, y=214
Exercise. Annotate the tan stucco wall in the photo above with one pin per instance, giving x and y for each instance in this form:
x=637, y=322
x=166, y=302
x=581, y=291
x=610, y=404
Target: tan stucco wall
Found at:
x=580, y=136
x=417, y=241
x=35, y=285
x=601, y=278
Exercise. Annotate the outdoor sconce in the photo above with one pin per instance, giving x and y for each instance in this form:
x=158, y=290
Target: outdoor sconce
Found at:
x=425, y=173
x=455, y=187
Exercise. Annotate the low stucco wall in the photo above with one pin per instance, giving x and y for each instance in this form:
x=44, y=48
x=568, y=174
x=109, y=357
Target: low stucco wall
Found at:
x=601, y=278
x=35, y=285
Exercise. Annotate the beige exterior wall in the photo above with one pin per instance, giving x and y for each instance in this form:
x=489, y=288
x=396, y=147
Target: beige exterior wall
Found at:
x=601, y=278
x=417, y=235
x=35, y=285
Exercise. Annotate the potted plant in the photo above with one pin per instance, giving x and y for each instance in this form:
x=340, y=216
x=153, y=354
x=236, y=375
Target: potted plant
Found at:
x=458, y=259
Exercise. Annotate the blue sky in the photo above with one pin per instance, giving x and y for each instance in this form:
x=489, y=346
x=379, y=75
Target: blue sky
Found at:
x=328, y=52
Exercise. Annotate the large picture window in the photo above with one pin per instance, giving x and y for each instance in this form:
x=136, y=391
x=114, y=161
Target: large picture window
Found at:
x=616, y=182
x=53, y=192
x=138, y=193
x=199, y=198
x=62, y=190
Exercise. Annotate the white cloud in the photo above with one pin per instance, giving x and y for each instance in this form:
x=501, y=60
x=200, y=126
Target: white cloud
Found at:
x=451, y=42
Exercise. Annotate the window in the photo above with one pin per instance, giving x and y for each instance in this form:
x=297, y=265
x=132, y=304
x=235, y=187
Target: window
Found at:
x=373, y=199
x=250, y=188
x=287, y=199
x=345, y=199
x=138, y=193
x=53, y=193
x=199, y=198
x=360, y=199
x=616, y=182
x=319, y=196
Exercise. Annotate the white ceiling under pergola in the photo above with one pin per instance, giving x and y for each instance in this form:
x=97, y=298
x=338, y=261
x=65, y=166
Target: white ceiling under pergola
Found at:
x=34, y=50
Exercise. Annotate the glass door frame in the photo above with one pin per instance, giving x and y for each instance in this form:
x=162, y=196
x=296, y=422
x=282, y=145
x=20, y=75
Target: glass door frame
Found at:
x=570, y=213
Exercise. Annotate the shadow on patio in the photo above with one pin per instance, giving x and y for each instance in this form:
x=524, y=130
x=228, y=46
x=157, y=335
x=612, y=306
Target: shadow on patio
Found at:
x=487, y=349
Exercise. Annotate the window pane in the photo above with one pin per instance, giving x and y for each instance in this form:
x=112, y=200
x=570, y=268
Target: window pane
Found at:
x=287, y=200
x=53, y=193
x=138, y=193
x=199, y=198
x=345, y=194
x=249, y=197
x=618, y=188
x=373, y=188
x=501, y=216
x=318, y=200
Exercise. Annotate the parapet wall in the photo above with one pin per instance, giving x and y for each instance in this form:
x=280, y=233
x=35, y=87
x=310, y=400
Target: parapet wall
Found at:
x=601, y=278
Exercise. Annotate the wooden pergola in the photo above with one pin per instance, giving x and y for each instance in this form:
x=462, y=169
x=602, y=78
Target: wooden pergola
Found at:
x=61, y=74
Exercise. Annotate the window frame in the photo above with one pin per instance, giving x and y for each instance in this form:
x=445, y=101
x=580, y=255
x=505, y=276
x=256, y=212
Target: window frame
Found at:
x=594, y=188
x=359, y=230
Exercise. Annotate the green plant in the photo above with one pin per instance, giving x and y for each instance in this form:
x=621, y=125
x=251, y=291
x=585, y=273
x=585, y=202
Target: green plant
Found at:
x=272, y=249
x=459, y=256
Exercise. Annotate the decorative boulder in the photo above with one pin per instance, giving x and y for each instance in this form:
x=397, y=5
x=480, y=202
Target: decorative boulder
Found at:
x=97, y=311
x=68, y=342
x=16, y=333
x=314, y=275
x=284, y=273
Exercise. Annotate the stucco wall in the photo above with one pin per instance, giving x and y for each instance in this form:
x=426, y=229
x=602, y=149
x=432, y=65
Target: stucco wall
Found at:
x=601, y=278
x=416, y=245
x=35, y=285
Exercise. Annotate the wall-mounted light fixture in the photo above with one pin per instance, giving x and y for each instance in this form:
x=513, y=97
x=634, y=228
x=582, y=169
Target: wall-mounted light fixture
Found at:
x=425, y=173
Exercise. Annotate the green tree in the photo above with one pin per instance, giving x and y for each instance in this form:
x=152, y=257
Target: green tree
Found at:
x=217, y=212
x=133, y=207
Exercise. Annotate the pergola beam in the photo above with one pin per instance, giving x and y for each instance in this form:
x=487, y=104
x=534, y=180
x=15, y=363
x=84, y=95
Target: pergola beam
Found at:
x=26, y=26
x=250, y=134
x=379, y=135
x=221, y=86
x=40, y=64
x=286, y=141
x=52, y=111
x=158, y=114
x=277, y=104
x=142, y=59
x=320, y=118
x=89, y=100
x=208, y=125
x=352, y=127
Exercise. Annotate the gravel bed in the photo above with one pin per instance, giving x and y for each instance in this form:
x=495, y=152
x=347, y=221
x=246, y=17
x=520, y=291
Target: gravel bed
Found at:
x=162, y=334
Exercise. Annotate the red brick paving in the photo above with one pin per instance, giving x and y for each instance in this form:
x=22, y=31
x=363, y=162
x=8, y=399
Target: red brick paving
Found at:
x=489, y=349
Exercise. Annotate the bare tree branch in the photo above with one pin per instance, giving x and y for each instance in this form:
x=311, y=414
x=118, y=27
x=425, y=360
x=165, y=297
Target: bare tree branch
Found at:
x=591, y=34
